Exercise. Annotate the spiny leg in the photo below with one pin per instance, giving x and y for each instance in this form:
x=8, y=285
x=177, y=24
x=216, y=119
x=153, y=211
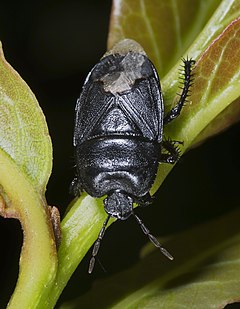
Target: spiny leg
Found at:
x=173, y=151
x=97, y=245
x=152, y=238
x=188, y=77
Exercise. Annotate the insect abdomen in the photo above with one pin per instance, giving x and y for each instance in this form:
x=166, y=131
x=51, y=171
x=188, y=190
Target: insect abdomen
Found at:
x=117, y=163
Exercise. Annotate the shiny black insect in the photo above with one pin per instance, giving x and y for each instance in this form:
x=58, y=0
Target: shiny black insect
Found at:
x=118, y=135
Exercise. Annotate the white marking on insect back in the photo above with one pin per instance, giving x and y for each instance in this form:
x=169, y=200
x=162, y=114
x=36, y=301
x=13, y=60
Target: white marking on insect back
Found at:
x=131, y=70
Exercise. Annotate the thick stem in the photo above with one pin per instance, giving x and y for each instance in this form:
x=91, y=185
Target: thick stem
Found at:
x=38, y=259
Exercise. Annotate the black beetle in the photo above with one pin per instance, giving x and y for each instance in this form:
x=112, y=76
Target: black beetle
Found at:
x=118, y=135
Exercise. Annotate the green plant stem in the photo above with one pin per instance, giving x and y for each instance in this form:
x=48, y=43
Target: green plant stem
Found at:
x=38, y=259
x=80, y=228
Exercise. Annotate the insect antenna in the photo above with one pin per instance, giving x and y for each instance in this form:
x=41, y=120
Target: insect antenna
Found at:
x=152, y=238
x=97, y=245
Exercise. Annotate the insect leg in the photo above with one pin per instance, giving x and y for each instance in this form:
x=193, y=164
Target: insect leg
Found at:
x=97, y=245
x=152, y=238
x=173, y=151
x=187, y=82
x=145, y=200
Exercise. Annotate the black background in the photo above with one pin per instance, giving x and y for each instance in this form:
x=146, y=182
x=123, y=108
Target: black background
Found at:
x=53, y=45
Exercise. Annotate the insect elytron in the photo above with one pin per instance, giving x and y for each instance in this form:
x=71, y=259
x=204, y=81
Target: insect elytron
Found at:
x=118, y=135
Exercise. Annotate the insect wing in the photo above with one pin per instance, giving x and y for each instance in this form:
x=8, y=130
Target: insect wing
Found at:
x=144, y=106
x=92, y=105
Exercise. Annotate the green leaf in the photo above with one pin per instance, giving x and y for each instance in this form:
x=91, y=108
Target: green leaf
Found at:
x=223, y=26
x=25, y=166
x=215, y=87
x=24, y=133
x=204, y=273
x=165, y=29
x=215, y=94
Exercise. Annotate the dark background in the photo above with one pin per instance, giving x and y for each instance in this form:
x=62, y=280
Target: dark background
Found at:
x=53, y=45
